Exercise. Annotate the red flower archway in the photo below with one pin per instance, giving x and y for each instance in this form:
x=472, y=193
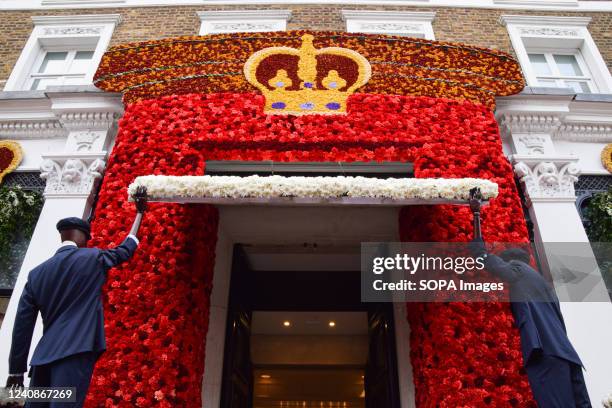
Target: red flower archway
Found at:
x=156, y=306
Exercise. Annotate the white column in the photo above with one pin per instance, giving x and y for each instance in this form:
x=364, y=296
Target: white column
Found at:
x=549, y=186
x=215, y=338
x=72, y=178
x=529, y=126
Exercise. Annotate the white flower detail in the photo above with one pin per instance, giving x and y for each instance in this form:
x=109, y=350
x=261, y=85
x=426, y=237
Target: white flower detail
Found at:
x=192, y=187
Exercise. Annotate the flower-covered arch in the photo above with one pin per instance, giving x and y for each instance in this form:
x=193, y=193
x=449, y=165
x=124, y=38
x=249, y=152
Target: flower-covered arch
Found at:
x=188, y=101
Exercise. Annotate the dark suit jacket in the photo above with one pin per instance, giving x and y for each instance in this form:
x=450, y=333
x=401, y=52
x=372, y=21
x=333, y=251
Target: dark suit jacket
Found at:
x=536, y=310
x=66, y=290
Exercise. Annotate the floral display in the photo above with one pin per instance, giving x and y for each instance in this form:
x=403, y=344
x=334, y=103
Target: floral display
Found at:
x=10, y=157
x=399, y=65
x=606, y=157
x=19, y=211
x=165, y=187
x=156, y=306
x=194, y=99
x=306, y=80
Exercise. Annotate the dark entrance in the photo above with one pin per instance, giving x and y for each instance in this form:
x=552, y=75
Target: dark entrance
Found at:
x=306, y=378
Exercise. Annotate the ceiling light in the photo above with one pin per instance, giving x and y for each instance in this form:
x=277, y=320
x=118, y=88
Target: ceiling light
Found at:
x=286, y=323
x=332, y=324
x=266, y=376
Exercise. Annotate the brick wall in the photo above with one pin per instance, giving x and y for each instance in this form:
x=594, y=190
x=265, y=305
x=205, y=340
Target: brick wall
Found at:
x=473, y=26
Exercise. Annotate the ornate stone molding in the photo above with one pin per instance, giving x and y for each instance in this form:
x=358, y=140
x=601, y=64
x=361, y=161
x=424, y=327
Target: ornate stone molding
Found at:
x=535, y=144
x=584, y=132
x=237, y=27
x=547, y=178
x=556, y=32
x=32, y=129
x=391, y=27
x=228, y=21
x=73, y=175
x=66, y=31
x=529, y=123
x=84, y=140
x=74, y=121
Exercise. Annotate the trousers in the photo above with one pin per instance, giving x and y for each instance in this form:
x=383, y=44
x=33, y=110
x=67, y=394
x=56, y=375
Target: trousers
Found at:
x=71, y=371
x=556, y=382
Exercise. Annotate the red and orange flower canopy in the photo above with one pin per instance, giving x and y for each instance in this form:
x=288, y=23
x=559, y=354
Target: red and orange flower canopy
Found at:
x=398, y=65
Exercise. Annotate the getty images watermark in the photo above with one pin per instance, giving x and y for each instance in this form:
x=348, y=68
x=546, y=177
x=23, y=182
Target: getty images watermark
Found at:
x=444, y=272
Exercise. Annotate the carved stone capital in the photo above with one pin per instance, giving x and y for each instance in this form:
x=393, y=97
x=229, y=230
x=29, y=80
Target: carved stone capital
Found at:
x=547, y=178
x=72, y=175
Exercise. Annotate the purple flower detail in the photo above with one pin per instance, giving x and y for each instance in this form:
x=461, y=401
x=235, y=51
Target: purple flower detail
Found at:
x=307, y=105
x=333, y=106
x=279, y=105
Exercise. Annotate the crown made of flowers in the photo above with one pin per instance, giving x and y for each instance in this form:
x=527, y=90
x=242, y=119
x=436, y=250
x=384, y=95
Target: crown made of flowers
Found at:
x=307, y=80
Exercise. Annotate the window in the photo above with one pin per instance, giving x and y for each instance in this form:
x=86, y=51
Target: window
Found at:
x=61, y=68
x=240, y=21
x=62, y=50
x=409, y=24
x=562, y=70
x=558, y=52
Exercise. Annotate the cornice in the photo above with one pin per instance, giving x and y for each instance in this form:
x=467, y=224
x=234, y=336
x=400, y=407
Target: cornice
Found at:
x=240, y=15
x=60, y=111
x=559, y=116
x=383, y=15
x=81, y=2
x=506, y=19
x=544, y=5
x=77, y=19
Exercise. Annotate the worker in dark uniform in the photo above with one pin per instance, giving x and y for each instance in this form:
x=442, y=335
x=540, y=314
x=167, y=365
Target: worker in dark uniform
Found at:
x=66, y=289
x=552, y=365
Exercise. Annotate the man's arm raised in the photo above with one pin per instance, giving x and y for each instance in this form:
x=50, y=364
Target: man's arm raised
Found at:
x=115, y=256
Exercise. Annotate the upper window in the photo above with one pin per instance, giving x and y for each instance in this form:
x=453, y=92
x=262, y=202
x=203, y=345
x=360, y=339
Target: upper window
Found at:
x=61, y=68
x=62, y=50
x=558, y=52
x=410, y=24
x=562, y=70
x=240, y=21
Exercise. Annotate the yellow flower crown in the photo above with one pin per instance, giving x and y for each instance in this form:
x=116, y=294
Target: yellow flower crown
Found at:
x=306, y=80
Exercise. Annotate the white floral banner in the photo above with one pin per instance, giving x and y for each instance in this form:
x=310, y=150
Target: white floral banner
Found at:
x=200, y=188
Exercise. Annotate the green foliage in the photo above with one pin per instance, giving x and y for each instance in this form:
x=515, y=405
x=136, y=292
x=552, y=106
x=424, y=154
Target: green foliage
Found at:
x=599, y=212
x=19, y=211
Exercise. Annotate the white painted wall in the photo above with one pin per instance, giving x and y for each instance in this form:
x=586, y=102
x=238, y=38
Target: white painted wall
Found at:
x=589, y=155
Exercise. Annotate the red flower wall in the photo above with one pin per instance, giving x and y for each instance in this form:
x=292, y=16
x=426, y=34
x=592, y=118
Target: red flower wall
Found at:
x=156, y=305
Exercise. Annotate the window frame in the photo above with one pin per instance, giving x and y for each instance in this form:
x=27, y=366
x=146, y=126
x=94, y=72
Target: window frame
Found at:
x=563, y=35
x=555, y=75
x=390, y=23
x=62, y=33
x=70, y=58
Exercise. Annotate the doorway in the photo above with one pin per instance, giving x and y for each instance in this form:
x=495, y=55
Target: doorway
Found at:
x=297, y=334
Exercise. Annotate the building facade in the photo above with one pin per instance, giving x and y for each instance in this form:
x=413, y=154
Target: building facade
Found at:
x=553, y=134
